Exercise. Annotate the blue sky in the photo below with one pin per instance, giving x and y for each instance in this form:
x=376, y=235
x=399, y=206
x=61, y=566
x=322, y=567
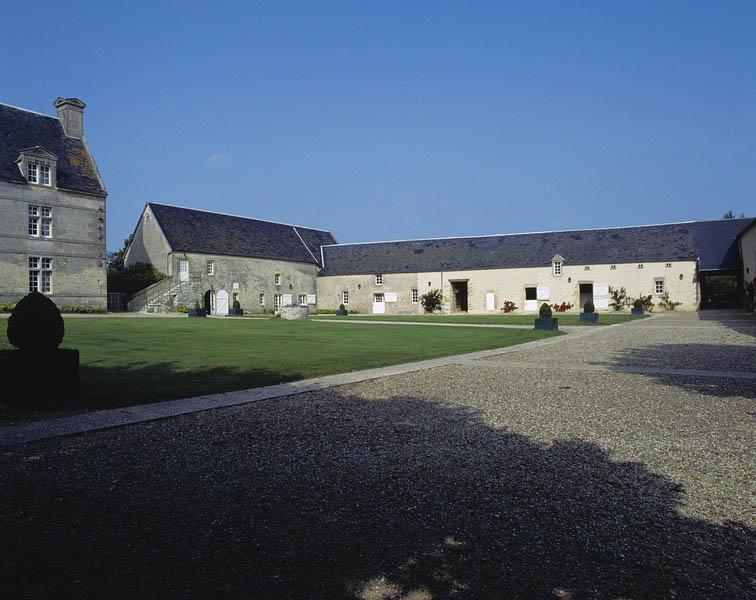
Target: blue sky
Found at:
x=393, y=120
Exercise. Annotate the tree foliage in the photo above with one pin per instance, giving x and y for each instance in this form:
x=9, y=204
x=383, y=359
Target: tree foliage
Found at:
x=432, y=301
x=129, y=280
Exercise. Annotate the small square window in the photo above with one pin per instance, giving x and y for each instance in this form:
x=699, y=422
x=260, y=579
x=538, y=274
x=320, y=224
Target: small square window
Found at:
x=379, y=279
x=211, y=267
x=414, y=295
x=34, y=262
x=640, y=266
x=668, y=266
x=659, y=287
x=277, y=279
x=345, y=297
x=586, y=268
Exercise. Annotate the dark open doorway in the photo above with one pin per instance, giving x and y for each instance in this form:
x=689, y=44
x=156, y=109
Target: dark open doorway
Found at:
x=459, y=296
x=208, y=302
x=586, y=293
x=721, y=290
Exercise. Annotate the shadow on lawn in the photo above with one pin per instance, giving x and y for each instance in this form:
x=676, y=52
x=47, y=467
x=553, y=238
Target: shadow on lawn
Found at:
x=334, y=496
x=704, y=357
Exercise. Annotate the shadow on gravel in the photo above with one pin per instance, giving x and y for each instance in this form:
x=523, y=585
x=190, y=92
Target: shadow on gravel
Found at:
x=404, y=498
x=704, y=357
x=739, y=321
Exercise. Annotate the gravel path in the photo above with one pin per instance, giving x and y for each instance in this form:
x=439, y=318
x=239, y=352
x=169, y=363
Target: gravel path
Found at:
x=467, y=481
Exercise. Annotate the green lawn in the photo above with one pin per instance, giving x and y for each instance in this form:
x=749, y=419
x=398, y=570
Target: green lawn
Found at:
x=139, y=360
x=496, y=319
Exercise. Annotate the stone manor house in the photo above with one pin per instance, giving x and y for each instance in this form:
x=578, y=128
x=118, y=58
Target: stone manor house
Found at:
x=52, y=239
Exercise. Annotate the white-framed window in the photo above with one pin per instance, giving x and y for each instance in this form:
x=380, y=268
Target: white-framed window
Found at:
x=277, y=279
x=32, y=171
x=211, y=267
x=345, y=297
x=40, y=274
x=44, y=174
x=262, y=299
x=378, y=279
x=302, y=299
x=414, y=296
x=34, y=220
x=278, y=300
x=183, y=269
x=46, y=221
x=658, y=287
x=378, y=298
x=556, y=268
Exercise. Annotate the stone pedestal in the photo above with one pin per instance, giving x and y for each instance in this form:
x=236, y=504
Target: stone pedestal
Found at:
x=39, y=378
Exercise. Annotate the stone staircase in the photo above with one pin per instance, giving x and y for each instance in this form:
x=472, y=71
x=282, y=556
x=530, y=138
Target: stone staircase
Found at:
x=160, y=297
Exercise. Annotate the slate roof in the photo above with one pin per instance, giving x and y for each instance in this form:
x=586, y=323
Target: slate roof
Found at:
x=21, y=129
x=202, y=232
x=712, y=241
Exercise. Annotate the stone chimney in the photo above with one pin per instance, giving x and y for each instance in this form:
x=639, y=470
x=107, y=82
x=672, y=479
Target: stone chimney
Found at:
x=71, y=115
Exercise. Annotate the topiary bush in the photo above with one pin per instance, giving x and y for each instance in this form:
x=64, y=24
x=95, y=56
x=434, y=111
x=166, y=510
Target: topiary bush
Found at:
x=545, y=311
x=589, y=307
x=35, y=324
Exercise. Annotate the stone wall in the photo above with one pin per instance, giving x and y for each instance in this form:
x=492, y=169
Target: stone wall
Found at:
x=509, y=284
x=77, y=246
x=149, y=244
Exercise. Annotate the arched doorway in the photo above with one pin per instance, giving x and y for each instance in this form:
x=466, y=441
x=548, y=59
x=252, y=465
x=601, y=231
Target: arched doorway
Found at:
x=209, y=302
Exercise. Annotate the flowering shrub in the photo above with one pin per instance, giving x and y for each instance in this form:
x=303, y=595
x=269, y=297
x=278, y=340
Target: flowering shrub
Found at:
x=563, y=307
x=509, y=306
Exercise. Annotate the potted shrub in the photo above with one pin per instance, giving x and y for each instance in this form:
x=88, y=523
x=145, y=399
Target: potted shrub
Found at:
x=236, y=309
x=589, y=314
x=36, y=329
x=637, y=308
x=544, y=320
x=197, y=311
x=342, y=311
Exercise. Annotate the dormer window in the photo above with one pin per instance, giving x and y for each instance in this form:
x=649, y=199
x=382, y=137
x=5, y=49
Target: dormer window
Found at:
x=37, y=166
x=556, y=266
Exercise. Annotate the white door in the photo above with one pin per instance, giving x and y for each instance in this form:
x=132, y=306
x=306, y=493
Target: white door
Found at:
x=490, y=301
x=379, y=306
x=183, y=270
x=531, y=305
x=601, y=296
x=221, y=303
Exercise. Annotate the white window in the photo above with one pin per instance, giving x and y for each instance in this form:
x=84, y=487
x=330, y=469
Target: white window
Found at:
x=659, y=287
x=33, y=220
x=183, y=269
x=40, y=274
x=32, y=171
x=211, y=267
x=262, y=299
x=557, y=268
x=302, y=299
x=379, y=280
x=414, y=295
x=44, y=173
x=278, y=300
x=378, y=298
x=345, y=297
x=277, y=279
x=46, y=222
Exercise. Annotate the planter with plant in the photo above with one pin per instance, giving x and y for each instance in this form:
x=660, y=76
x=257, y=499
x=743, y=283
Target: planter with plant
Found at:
x=545, y=320
x=432, y=301
x=589, y=314
x=642, y=305
x=637, y=308
x=342, y=311
x=236, y=309
x=36, y=329
x=197, y=311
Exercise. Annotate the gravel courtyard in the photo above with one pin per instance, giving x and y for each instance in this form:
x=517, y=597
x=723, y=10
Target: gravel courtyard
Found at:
x=594, y=467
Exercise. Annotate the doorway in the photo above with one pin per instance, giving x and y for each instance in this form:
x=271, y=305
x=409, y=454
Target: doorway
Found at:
x=379, y=306
x=720, y=290
x=586, y=293
x=209, y=303
x=459, y=296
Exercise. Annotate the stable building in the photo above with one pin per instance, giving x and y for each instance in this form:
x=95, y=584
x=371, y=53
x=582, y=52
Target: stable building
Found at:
x=52, y=208
x=216, y=259
x=697, y=263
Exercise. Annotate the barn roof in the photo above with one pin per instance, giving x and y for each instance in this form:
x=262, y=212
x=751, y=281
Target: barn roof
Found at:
x=713, y=242
x=22, y=130
x=202, y=232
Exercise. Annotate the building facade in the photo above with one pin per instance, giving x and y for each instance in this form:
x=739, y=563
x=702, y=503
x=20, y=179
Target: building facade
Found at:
x=216, y=259
x=696, y=264
x=52, y=203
